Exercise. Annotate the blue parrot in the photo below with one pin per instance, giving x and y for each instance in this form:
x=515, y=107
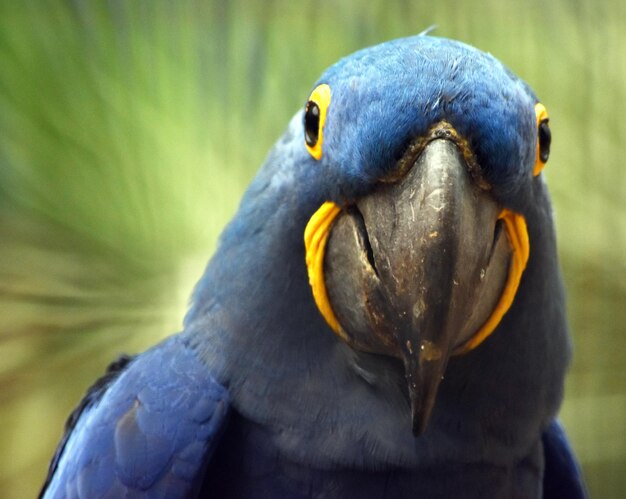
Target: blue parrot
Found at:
x=383, y=317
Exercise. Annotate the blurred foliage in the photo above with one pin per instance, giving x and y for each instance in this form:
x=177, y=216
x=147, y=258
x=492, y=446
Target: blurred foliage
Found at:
x=129, y=130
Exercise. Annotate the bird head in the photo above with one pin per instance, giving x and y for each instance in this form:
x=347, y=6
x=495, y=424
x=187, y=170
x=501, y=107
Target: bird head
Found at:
x=398, y=233
x=426, y=151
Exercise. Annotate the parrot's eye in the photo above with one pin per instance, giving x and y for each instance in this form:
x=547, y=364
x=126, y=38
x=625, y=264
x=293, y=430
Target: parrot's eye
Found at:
x=311, y=123
x=314, y=118
x=544, y=141
x=544, y=137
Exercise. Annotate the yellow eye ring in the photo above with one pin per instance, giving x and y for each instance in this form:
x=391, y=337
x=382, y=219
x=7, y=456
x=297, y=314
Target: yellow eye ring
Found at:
x=314, y=119
x=544, y=137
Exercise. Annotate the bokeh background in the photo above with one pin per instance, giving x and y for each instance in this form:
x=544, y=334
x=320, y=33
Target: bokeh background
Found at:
x=129, y=130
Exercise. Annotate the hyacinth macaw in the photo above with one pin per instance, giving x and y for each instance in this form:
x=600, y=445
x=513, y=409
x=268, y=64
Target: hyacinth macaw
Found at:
x=384, y=316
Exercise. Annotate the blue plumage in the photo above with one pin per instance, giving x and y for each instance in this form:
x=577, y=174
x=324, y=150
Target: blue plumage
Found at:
x=432, y=79
x=258, y=398
x=562, y=475
x=148, y=433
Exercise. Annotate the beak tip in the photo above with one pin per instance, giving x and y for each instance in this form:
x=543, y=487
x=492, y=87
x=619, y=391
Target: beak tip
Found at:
x=420, y=421
x=422, y=401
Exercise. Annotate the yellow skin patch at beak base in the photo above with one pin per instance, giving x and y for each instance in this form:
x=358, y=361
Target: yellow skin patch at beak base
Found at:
x=517, y=233
x=315, y=238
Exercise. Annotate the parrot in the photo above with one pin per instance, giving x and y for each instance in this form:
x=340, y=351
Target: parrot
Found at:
x=384, y=316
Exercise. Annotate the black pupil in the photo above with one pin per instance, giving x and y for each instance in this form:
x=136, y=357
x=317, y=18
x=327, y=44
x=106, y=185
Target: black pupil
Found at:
x=544, y=141
x=311, y=123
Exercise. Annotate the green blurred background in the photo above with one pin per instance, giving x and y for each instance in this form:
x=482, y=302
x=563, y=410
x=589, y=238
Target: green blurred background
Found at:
x=129, y=130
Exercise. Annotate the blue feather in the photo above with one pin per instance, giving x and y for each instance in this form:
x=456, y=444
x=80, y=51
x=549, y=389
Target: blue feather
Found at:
x=562, y=478
x=148, y=432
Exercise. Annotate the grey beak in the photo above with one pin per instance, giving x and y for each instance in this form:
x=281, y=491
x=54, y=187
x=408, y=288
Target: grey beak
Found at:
x=415, y=268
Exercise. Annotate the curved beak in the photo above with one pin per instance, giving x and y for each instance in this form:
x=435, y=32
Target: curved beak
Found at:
x=414, y=269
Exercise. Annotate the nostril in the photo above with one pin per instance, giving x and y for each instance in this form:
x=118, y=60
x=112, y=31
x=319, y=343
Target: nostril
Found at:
x=365, y=241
